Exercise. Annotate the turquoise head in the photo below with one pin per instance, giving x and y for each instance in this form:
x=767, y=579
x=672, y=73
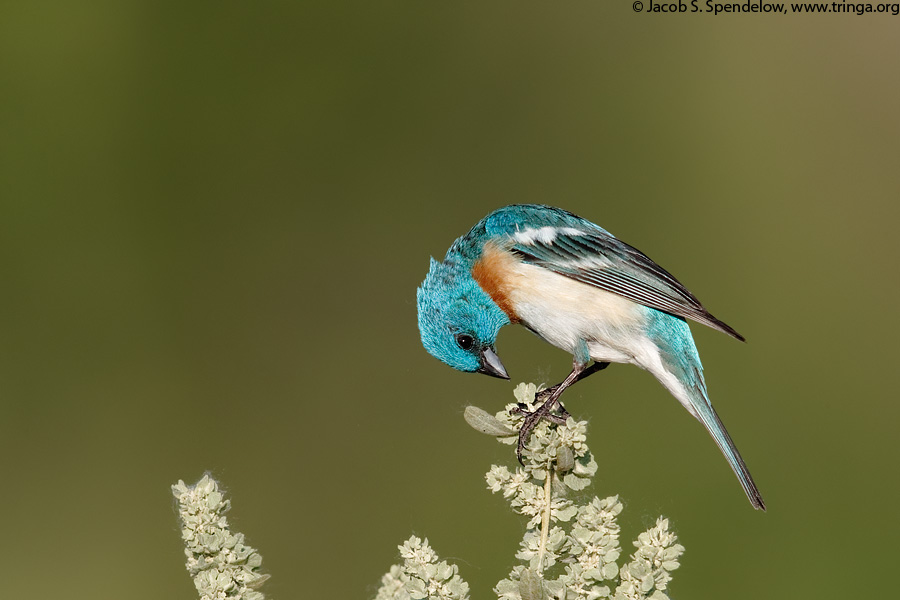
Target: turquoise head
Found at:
x=458, y=321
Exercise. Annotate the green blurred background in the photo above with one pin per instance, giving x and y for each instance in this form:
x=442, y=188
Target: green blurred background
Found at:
x=215, y=215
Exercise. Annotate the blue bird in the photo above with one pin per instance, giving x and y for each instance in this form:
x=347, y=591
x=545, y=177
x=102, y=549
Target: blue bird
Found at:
x=579, y=288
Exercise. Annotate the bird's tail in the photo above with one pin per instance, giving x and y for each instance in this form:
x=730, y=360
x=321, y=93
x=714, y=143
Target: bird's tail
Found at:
x=706, y=414
x=681, y=373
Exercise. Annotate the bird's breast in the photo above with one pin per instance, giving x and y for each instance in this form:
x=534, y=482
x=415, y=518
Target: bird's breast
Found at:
x=492, y=272
x=559, y=309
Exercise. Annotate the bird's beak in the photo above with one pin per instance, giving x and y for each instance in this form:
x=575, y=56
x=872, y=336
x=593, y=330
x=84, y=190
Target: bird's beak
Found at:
x=491, y=365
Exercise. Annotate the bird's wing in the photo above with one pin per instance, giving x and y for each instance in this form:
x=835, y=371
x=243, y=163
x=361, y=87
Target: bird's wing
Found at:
x=569, y=245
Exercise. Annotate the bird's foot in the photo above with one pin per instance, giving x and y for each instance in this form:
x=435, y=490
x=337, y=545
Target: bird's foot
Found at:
x=544, y=396
x=532, y=418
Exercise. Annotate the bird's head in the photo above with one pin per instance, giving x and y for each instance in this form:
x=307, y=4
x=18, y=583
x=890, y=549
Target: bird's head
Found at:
x=458, y=321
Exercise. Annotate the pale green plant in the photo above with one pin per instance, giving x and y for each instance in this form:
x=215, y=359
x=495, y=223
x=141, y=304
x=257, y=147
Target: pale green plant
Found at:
x=422, y=576
x=220, y=563
x=570, y=550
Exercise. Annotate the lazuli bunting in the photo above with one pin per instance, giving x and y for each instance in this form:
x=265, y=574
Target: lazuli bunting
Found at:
x=579, y=288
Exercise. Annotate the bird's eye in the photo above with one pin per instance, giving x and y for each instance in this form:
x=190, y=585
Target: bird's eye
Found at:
x=465, y=341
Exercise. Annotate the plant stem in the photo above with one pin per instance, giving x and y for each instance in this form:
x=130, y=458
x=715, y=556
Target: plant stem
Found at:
x=545, y=518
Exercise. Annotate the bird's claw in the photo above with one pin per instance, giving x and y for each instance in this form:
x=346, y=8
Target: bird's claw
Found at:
x=532, y=418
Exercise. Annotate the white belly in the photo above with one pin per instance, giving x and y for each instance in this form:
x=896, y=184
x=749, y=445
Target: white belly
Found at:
x=564, y=312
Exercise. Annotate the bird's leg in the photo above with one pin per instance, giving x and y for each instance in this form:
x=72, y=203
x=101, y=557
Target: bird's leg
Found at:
x=580, y=370
x=546, y=393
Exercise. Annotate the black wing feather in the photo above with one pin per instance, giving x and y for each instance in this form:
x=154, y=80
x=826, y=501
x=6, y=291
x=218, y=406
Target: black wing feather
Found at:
x=621, y=269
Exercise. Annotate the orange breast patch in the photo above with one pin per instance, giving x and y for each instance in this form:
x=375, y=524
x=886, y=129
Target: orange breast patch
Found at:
x=493, y=273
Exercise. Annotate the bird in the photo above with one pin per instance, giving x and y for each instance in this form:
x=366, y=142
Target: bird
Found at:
x=579, y=288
